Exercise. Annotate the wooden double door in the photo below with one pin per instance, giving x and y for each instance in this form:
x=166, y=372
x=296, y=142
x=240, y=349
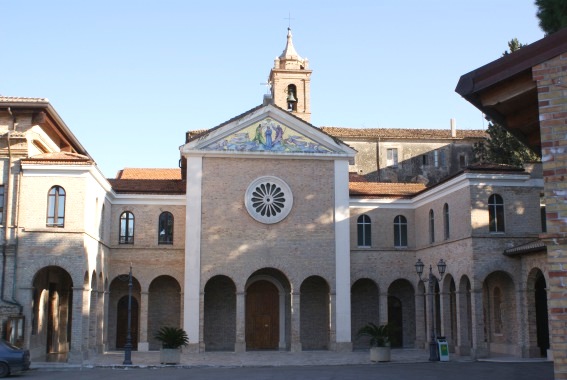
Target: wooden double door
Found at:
x=262, y=316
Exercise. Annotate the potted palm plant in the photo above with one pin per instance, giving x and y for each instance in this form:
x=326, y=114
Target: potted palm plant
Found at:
x=171, y=338
x=379, y=341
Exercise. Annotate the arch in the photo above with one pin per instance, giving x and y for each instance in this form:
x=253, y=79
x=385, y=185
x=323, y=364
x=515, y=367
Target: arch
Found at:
x=52, y=307
x=220, y=314
x=401, y=312
x=500, y=315
x=164, y=307
x=449, y=311
x=315, y=316
x=364, y=300
x=268, y=300
x=118, y=312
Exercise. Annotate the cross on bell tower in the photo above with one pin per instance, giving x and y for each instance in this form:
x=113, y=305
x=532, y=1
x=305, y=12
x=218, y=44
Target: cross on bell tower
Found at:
x=290, y=81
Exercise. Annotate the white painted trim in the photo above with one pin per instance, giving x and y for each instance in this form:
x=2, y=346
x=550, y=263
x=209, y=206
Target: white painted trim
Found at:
x=192, y=280
x=443, y=190
x=342, y=253
x=150, y=199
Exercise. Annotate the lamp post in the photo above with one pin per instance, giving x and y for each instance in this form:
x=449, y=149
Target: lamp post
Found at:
x=441, y=266
x=128, y=345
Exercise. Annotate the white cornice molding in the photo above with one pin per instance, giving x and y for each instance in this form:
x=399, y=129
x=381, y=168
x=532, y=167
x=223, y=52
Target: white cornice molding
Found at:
x=150, y=199
x=444, y=189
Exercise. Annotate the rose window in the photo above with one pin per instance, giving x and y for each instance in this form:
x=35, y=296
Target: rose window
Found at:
x=268, y=200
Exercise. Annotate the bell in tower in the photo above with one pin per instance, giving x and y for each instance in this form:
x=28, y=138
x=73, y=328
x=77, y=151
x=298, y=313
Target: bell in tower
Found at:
x=290, y=81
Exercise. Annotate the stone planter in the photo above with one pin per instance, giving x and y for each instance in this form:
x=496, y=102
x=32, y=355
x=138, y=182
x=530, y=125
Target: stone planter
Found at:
x=170, y=356
x=380, y=354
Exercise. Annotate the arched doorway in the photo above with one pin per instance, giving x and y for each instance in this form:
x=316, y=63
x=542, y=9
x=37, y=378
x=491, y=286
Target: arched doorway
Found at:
x=118, y=312
x=500, y=312
x=395, y=318
x=220, y=314
x=314, y=318
x=122, y=323
x=364, y=300
x=52, y=313
x=401, y=311
x=164, y=307
x=262, y=316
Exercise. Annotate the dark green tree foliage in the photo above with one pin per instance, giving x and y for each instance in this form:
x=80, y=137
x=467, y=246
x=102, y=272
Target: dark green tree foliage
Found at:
x=502, y=147
x=552, y=15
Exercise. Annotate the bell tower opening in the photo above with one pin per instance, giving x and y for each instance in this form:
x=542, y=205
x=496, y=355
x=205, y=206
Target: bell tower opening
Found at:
x=290, y=81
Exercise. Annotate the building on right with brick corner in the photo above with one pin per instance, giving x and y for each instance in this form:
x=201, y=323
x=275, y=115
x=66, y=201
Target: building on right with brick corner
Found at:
x=526, y=92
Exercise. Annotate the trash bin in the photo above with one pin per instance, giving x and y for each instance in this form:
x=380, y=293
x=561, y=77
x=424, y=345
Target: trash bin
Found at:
x=443, y=349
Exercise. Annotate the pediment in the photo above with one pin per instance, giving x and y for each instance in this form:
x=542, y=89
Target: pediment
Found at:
x=268, y=130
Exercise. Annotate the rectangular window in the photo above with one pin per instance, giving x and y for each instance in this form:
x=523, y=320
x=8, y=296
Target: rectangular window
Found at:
x=462, y=161
x=392, y=157
x=1, y=204
x=425, y=159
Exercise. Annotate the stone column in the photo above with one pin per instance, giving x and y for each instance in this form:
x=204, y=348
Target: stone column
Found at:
x=143, y=344
x=105, y=320
x=77, y=352
x=240, y=344
x=479, y=347
x=420, y=322
x=462, y=344
x=295, y=322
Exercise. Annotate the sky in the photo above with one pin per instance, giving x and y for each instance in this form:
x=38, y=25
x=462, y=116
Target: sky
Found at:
x=131, y=77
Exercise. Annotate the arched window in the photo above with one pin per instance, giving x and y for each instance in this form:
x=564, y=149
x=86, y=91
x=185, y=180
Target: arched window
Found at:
x=431, y=226
x=127, y=228
x=364, y=229
x=446, y=221
x=495, y=213
x=400, y=231
x=165, y=228
x=56, y=207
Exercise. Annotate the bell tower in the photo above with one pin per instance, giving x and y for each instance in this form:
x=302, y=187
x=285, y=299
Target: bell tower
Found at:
x=290, y=81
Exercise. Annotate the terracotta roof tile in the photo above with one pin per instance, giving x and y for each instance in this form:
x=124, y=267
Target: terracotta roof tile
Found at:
x=384, y=189
x=355, y=177
x=148, y=174
x=59, y=158
x=406, y=133
x=148, y=181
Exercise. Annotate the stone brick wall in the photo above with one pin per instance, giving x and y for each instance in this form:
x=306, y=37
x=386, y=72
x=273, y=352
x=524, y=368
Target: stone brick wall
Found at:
x=551, y=77
x=236, y=245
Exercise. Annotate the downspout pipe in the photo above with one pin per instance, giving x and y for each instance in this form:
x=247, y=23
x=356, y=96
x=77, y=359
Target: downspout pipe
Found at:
x=7, y=225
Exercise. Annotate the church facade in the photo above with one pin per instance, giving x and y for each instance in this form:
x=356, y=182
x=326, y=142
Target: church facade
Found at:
x=264, y=239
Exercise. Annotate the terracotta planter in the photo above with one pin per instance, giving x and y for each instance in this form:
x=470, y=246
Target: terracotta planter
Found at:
x=380, y=354
x=170, y=356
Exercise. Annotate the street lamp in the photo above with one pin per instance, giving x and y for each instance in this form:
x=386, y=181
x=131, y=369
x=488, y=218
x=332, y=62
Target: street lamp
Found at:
x=128, y=345
x=441, y=266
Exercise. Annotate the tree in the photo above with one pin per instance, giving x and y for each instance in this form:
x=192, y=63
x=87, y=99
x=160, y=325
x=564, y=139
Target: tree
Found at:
x=502, y=147
x=552, y=15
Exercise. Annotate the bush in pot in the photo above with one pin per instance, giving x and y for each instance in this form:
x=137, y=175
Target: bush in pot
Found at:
x=379, y=340
x=171, y=338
